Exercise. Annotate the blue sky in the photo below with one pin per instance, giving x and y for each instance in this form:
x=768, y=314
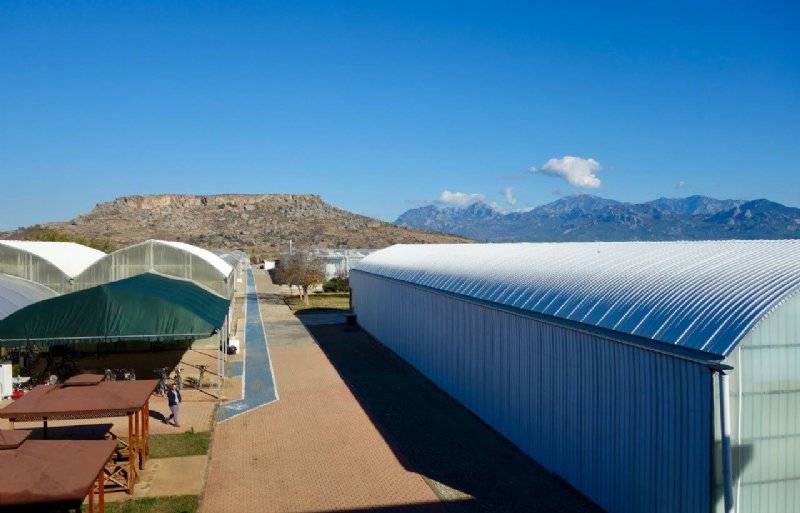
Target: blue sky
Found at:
x=382, y=106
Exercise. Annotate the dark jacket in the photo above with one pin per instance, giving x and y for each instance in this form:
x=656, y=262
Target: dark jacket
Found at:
x=174, y=397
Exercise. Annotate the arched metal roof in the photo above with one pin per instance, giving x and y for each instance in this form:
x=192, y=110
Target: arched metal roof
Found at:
x=16, y=293
x=700, y=295
x=68, y=257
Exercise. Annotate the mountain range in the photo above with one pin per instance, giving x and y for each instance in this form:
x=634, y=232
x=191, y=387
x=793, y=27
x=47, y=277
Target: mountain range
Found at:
x=260, y=224
x=584, y=217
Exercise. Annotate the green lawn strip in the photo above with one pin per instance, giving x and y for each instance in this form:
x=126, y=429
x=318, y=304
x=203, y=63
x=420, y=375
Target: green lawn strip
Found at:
x=179, y=444
x=172, y=504
x=333, y=301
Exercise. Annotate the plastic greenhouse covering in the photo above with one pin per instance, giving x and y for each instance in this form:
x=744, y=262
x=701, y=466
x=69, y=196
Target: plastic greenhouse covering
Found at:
x=52, y=264
x=147, y=307
x=175, y=259
x=16, y=293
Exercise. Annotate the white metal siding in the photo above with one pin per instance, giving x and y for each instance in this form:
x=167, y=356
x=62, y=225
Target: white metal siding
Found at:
x=629, y=428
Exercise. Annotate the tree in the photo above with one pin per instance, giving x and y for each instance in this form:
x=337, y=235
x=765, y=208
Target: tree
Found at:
x=302, y=270
x=40, y=233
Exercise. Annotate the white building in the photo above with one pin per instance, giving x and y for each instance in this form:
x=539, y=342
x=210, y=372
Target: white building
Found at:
x=604, y=361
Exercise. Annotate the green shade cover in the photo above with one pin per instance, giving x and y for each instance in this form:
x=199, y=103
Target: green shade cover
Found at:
x=148, y=307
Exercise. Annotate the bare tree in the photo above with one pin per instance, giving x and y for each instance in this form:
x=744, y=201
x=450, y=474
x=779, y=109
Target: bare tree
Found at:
x=302, y=270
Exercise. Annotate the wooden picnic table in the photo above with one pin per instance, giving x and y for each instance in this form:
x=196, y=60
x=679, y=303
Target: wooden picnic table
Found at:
x=49, y=474
x=87, y=396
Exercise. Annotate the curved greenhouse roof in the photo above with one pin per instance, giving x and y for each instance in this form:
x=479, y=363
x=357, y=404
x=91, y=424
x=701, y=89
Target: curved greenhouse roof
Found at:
x=16, y=293
x=52, y=264
x=176, y=259
x=224, y=268
x=700, y=295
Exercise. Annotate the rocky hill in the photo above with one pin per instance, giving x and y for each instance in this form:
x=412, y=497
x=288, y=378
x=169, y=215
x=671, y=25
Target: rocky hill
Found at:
x=260, y=224
x=583, y=217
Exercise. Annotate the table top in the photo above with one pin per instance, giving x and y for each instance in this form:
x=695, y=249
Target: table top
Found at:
x=51, y=471
x=104, y=399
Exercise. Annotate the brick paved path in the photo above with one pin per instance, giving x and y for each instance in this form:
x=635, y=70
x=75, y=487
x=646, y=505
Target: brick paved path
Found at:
x=313, y=450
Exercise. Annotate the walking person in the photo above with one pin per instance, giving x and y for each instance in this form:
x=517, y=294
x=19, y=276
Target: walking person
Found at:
x=174, y=401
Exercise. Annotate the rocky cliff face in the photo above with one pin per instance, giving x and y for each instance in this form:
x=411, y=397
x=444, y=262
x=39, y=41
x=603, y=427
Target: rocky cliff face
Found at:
x=260, y=224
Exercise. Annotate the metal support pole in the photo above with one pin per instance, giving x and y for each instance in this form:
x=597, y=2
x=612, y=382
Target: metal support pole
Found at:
x=725, y=437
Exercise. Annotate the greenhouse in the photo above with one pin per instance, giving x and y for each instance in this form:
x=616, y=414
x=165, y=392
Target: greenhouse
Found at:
x=146, y=307
x=338, y=262
x=16, y=293
x=236, y=259
x=176, y=259
x=655, y=377
x=152, y=291
x=52, y=264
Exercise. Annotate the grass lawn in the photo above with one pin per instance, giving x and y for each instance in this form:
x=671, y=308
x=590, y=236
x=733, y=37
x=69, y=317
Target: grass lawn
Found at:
x=179, y=444
x=175, y=504
x=324, y=300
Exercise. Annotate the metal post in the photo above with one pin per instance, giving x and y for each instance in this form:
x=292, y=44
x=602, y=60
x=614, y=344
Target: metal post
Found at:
x=220, y=363
x=725, y=437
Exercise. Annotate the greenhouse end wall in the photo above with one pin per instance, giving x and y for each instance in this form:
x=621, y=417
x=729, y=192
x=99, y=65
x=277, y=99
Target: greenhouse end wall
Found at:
x=629, y=428
x=765, y=414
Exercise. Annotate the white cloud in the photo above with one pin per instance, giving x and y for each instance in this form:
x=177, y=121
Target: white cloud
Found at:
x=508, y=192
x=680, y=185
x=577, y=171
x=459, y=199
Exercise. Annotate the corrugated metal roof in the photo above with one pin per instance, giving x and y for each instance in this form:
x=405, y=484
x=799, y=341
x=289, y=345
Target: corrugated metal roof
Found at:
x=701, y=295
x=69, y=257
x=16, y=293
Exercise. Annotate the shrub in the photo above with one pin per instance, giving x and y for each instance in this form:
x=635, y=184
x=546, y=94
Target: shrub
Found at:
x=337, y=284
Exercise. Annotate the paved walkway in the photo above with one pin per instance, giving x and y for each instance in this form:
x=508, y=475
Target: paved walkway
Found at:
x=315, y=449
x=258, y=381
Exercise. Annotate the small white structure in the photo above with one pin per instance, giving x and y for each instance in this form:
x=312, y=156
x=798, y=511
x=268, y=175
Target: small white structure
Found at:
x=6, y=381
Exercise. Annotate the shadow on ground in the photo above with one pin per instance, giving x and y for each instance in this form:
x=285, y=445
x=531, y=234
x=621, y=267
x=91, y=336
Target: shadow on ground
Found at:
x=469, y=465
x=80, y=432
x=143, y=362
x=435, y=507
x=157, y=415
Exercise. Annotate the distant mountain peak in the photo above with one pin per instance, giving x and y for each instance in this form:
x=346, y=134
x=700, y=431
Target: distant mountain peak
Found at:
x=586, y=217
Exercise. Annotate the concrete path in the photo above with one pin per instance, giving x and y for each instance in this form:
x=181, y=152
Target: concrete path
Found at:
x=258, y=380
x=315, y=449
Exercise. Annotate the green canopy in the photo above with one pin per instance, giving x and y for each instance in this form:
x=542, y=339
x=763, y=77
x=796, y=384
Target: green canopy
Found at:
x=149, y=307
